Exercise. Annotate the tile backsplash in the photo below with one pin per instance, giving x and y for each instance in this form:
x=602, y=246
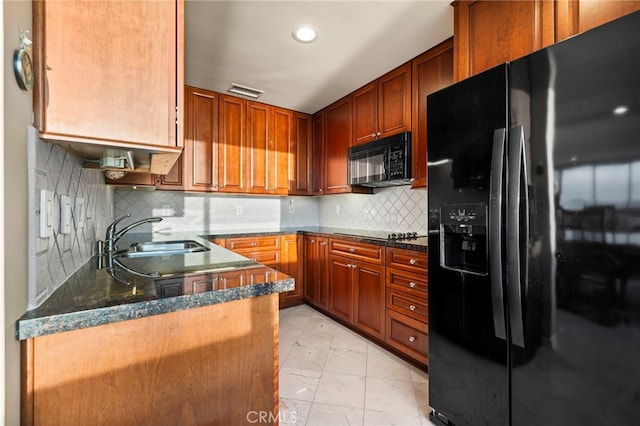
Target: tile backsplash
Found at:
x=388, y=209
x=54, y=258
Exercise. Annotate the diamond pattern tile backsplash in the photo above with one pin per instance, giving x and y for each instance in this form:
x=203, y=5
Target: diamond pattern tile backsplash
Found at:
x=54, y=258
x=396, y=209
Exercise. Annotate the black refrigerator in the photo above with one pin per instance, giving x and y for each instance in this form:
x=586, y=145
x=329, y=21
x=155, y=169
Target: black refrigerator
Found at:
x=534, y=238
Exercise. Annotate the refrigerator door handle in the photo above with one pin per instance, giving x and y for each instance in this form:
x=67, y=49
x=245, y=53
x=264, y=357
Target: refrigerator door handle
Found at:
x=495, y=231
x=516, y=178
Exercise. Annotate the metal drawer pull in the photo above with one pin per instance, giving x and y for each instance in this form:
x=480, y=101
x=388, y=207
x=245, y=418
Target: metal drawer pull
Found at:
x=352, y=250
x=412, y=285
x=412, y=339
x=324, y=243
x=412, y=307
x=254, y=244
x=413, y=261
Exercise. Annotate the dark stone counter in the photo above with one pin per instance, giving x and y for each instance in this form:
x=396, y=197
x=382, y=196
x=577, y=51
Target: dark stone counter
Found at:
x=150, y=286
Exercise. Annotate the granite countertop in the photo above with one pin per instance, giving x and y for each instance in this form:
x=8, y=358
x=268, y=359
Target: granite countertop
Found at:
x=359, y=235
x=148, y=286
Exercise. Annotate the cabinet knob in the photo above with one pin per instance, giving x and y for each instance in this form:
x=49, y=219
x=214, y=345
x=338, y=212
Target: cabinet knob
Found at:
x=254, y=259
x=413, y=261
x=412, y=307
x=352, y=250
x=254, y=244
x=373, y=135
x=412, y=339
x=378, y=134
x=215, y=186
x=324, y=243
x=412, y=285
x=313, y=241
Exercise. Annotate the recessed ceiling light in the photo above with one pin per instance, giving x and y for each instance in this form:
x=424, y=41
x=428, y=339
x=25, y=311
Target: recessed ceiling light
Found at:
x=305, y=34
x=620, y=110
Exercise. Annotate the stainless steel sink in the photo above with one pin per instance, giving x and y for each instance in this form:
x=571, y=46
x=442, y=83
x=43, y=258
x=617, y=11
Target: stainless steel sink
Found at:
x=163, y=248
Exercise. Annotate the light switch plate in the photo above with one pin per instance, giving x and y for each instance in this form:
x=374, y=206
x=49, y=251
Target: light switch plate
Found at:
x=78, y=213
x=65, y=214
x=46, y=205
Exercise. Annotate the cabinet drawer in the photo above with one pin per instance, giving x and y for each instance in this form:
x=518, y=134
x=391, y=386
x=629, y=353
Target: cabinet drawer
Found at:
x=365, y=252
x=411, y=306
x=409, y=260
x=264, y=257
x=251, y=244
x=408, y=335
x=408, y=282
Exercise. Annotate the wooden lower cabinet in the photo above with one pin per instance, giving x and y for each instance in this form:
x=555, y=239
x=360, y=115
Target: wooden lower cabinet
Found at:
x=292, y=265
x=174, y=368
x=356, y=293
x=408, y=335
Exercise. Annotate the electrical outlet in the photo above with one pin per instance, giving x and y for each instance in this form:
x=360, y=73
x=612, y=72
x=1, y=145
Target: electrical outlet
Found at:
x=65, y=214
x=78, y=213
x=338, y=209
x=238, y=210
x=46, y=206
x=292, y=208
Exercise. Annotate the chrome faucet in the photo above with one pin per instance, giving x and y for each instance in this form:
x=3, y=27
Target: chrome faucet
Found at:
x=112, y=236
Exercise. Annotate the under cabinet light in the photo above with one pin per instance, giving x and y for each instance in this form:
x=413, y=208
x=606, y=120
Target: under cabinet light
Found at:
x=245, y=91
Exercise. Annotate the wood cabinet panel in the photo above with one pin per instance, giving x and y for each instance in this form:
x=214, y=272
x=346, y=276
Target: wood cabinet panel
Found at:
x=576, y=16
x=336, y=143
x=301, y=155
x=163, y=369
x=201, y=141
x=407, y=282
x=341, y=288
x=316, y=252
x=257, y=148
x=488, y=33
x=231, y=161
x=409, y=260
x=408, y=305
x=358, y=251
x=99, y=86
x=281, y=128
x=318, y=173
x=292, y=265
x=369, y=298
x=394, y=101
x=365, y=113
x=251, y=244
x=432, y=71
x=408, y=336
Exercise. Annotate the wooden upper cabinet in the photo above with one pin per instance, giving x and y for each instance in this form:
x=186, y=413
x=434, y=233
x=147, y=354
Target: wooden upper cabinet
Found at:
x=337, y=140
x=257, y=147
x=488, y=33
x=301, y=155
x=576, y=16
x=432, y=71
x=280, y=136
x=201, y=139
x=109, y=72
x=318, y=160
x=383, y=107
x=231, y=127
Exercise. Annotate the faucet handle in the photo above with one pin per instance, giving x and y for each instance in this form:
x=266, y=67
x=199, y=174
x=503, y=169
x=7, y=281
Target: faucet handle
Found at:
x=111, y=228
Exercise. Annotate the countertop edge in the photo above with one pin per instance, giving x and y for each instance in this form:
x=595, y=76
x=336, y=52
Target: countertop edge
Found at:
x=28, y=328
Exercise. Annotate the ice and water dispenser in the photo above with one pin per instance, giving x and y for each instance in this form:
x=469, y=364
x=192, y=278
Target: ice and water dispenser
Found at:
x=463, y=238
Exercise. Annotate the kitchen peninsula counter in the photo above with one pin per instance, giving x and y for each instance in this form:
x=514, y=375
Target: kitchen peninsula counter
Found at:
x=92, y=296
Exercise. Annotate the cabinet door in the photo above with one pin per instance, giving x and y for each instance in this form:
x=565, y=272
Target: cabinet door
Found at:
x=301, y=155
x=337, y=143
x=258, y=148
x=394, y=101
x=317, y=175
x=280, y=128
x=576, y=16
x=365, y=113
x=341, y=287
x=232, y=149
x=291, y=264
x=175, y=180
x=369, y=298
x=201, y=141
x=310, y=269
x=489, y=33
x=94, y=78
x=432, y=71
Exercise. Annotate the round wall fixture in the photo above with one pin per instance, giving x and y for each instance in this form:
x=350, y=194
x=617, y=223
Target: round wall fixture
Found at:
x=305, y=34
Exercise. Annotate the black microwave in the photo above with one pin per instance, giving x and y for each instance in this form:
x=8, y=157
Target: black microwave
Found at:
x=383, y=162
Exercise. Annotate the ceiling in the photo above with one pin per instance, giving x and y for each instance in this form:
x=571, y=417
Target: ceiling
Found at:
x=250, y=43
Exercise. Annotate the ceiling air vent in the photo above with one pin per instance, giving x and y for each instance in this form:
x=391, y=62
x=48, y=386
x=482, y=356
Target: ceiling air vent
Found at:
x=249, y=92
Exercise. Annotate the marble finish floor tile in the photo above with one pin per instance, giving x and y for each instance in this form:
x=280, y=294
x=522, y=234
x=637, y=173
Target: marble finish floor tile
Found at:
x=331, y=376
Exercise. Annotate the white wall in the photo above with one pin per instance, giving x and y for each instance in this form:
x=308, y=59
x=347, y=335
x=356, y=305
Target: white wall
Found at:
x=17, y=117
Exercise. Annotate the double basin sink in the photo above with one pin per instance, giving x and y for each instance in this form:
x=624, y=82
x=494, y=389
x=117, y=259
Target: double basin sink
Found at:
x=162, y=248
